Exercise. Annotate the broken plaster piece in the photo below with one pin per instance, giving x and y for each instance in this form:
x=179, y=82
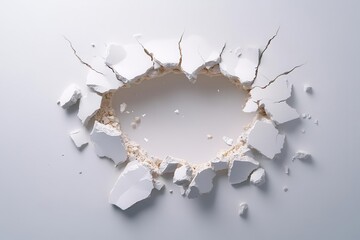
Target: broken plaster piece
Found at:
x=202, y=183
x=243, y=208
x=246, y=66
x=158, y=185
x=108, y=142
x=279, y=112
x=220, y=164
x=307, y=88
x=228, y=141
x=250, y=106
x=123, y=107
x=183, y=175
x=265, y=138
x=301, y=155
x=70, y=96
x=240, y=169
x=134, y=184
x=79, y=137
x=258, y=177
x=169, y=165
x=89, y=105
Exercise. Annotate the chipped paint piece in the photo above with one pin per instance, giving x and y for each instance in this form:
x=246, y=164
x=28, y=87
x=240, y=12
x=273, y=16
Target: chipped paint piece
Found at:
x=307, y=88
x=183, y=175
x=202, y=183
x=183, y=190
x=134, y=184
x=209, y=136
x=79, y=137
x=169, y=165
x=158, y=185
x=220, y=164
x=70, y=96
x=243, y=208
x=301, y=155
x=265, y=138
x=165, y=52
x=309, y=116
x=316, y=122
x=250, y=106
x=129, y=62
x=123, y=107
x=240, y=169
x=144, y=115
x=228, y=141
x=108, y=142
x=258, y=177
x=285, y=189
x=88, y=107
x=279, y=112
x=177, y=112
x=246, y=66
x=146, y=140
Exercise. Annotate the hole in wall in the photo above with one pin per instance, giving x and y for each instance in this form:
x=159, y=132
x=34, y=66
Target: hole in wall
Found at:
x=213, y=105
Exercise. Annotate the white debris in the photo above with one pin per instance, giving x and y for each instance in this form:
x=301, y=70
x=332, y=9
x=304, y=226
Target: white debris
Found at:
x=70, y=96
x=246, y=66
x=123, y=107
x=316, y=122
x=219, y=164
x=134, y=184
x=183, y=190
x=183, y=175
x=89, y=105
x=202, y=183
x=209, y=136
x=144, y=115
x=303, y=115
x=265, y=138
x=171, y=191
x=240, y=169
x=137, y=120
x=250, y=106
x=177, y=111
x=301, y=155
x=307, y=88
x=79, y=137
x=169, y=165
x=279, y=112
x=108, y=142
x=287, y=170
x=243, y=207
x=258, y=177
x=158, y=185
x=129, y=62
x=228, y=141
x=309, y=116
x=146, y=140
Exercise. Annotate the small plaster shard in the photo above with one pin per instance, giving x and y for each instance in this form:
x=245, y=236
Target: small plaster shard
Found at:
x=258, y=177
x=134, y=184
x=108, y=142
x=202, y=183
x=250, y=106
x=123, y=107
x=89, y=105
x=169, y=165
x=209, y=136
x=243, y=208
x=183, y=175
x=246, y=66
x=177, y=112
x=70, y=96
x=146, y=140
x=228, y=141
x=79, y=137
x=265, y=138
x=301, y=155
x=287, y=170
x=158, y=185
x=279, y=112
x=240, y=169
x=220, y=164
x=307, y=88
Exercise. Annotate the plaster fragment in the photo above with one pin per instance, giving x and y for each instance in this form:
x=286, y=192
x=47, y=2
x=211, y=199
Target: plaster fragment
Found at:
x=171, y=191
x=258, y=177
x=79, y=137
x=123, y=107
x=183, y=175
x=307, y=88
x=108, y=142
x=250, y=106
x=134, y=184
x=89, y=105
x=287, y=170
x=228, y=141
x=246, y=66
x=316, y=122
x=303, y=115
x=158, y=185
x=243, y=208
x=137, y=120
x=70, y=96
x=220, y=164
x=177, y=111
x=202, y=183
x=209, y=136
x=240, y=169
x=169, y=165
x=265, y=138
x=301, y=155
x=146, y=140
x=279, y=112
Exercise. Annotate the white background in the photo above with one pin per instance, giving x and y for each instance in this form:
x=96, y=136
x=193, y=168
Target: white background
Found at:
x=43, y=196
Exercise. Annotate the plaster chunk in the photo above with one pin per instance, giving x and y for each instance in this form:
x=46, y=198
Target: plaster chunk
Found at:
x=250, y=106
x=70, y=96
x=258, y=177
x=228, y=141
x=301, y=155
x=220, y=164
x=129, y=62
x=89, y=105
x=158, y=185
x=108, y=142
x=240, y=169
x=169, y=165
x=202, y=183
x=307, y=88
x=134, y=184
x=183, y=175
x=246, y=66
x=123, y=107
x=279, y=112
x=243, y=208
x=265, y=138
x=79, y=137
x=279, y=90
x=165, y=52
